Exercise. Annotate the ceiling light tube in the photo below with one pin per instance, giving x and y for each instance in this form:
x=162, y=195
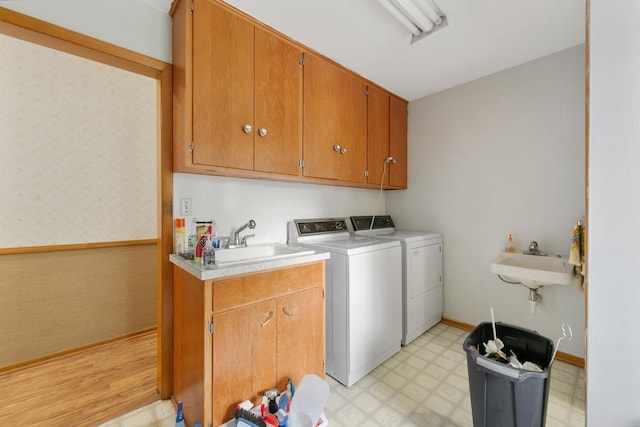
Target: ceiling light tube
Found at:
x=400, y=17
x=434, y=15
x=417, y=16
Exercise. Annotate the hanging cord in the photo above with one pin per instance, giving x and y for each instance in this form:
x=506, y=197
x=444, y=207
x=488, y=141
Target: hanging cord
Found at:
x=384, y=171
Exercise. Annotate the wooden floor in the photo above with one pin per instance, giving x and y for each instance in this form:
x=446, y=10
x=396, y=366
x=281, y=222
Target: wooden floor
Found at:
x=85, y=388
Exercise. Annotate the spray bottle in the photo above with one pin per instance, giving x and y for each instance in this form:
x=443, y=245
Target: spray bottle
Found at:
x=180, y=417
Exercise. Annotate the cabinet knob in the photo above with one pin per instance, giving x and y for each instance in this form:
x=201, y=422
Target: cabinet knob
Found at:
x=247, y=128
x=262, y=132
x=268, y=319
x=336, y=148
x=343, y=150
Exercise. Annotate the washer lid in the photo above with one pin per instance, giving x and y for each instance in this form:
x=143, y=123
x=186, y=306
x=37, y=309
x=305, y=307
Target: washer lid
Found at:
x=352, y=245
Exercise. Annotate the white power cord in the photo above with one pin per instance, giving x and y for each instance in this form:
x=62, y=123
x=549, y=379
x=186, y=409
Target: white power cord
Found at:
x=384, y=171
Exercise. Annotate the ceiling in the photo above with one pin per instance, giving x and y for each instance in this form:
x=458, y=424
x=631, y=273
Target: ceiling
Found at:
x=482, y=37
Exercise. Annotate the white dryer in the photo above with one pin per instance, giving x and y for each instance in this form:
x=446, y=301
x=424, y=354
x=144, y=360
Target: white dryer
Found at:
x=363, y=295
x=422, y=288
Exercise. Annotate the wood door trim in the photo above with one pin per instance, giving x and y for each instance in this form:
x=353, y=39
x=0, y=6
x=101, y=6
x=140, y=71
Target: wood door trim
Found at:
x=77, y=246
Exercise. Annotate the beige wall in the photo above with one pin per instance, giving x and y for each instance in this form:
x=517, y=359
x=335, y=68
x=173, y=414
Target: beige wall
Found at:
x=79, y=146
x=78, y=168
x=57, y=301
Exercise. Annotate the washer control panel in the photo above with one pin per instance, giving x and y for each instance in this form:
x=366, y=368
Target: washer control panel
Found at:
x=307, y=227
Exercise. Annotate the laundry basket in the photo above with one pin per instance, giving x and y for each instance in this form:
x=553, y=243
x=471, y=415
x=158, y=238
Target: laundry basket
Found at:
x=502, y=395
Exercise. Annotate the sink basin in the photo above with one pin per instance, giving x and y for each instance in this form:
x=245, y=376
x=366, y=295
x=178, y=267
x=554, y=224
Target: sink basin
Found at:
x=533, y=271
x=256, y=253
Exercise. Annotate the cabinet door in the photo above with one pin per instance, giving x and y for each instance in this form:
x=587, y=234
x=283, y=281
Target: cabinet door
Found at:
x=377, y=135
x=278, y=113
x=398, y=142
x=223, y=77
x=301, y=335
x=244, y=356
x=334, y=117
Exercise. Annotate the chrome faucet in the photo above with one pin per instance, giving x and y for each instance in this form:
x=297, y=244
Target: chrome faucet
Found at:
x=236, y=241
x=533, y=249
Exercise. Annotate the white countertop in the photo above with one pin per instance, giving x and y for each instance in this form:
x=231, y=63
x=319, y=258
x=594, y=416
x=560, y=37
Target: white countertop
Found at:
x=196, y=270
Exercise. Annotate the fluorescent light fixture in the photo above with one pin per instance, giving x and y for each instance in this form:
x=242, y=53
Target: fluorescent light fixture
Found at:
x=420, y=17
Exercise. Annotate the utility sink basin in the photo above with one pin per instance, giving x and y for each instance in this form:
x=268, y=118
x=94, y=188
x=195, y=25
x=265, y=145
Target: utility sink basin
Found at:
x=533, y=271
x=258, y=253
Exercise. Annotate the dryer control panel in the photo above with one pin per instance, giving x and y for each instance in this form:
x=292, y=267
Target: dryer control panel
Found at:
x=370, y=222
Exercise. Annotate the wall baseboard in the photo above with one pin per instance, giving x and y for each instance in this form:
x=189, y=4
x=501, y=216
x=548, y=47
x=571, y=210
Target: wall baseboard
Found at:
x=563, y=357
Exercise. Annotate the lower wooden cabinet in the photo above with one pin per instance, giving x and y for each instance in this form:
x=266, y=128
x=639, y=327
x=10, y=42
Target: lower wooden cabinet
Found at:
x=237, y=337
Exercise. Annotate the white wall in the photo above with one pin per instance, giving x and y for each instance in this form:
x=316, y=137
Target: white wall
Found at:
x=613, y=390
x=231, y=202
x=502, y=154
x=130, y=24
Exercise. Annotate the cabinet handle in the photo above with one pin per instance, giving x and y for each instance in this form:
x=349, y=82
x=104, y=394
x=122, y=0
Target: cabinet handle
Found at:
x=343, y=150
x=336, y=148
x=268, y=319
x=262, y=132
x=247, y=128
x=285, y=311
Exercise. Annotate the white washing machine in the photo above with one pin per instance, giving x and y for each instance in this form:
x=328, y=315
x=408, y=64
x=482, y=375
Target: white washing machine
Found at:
x=422, y=289
x=363, y=295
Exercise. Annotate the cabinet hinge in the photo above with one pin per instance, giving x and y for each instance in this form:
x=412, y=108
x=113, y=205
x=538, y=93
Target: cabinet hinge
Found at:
x=366, y=173
x=210, y=327
x=191, y=146
x=301, y=61
x=191, y=7
x=366, y=91
x=301, y=163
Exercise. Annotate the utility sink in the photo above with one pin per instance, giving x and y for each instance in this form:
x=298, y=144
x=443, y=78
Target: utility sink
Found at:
x=258, y=253
x=533, y=271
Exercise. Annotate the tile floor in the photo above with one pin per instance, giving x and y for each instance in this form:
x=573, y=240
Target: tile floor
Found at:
x=423, y=385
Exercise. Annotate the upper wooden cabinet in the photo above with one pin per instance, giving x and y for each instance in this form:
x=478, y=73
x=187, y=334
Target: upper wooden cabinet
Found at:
x=335, y=122
x=246, y=91
x=398, y=142
x=250, y=102
x=377, y=136
x=386, y=138
x=278, y=114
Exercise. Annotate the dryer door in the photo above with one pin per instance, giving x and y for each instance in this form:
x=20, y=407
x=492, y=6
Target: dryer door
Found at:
x=423, y=295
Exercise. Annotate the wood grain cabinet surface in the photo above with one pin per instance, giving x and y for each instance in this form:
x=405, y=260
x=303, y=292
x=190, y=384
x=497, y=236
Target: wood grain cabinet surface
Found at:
x=335, y=122
x=246, y=94
x=386, y=137
x=250, y=102
x=237, y=337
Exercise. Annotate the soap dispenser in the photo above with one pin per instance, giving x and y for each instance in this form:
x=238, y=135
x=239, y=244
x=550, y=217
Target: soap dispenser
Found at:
x=509, y=246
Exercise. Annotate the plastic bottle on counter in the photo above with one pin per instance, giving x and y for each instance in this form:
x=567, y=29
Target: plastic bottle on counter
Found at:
x=179, y=240
x=509, y=246
x=215, y=243
x=208, y=252
x=179, y=416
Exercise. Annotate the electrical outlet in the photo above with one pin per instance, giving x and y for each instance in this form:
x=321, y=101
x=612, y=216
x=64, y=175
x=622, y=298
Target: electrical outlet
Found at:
x=186, y=207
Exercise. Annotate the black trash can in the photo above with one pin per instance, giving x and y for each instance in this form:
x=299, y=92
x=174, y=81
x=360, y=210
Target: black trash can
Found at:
x=501, y=395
